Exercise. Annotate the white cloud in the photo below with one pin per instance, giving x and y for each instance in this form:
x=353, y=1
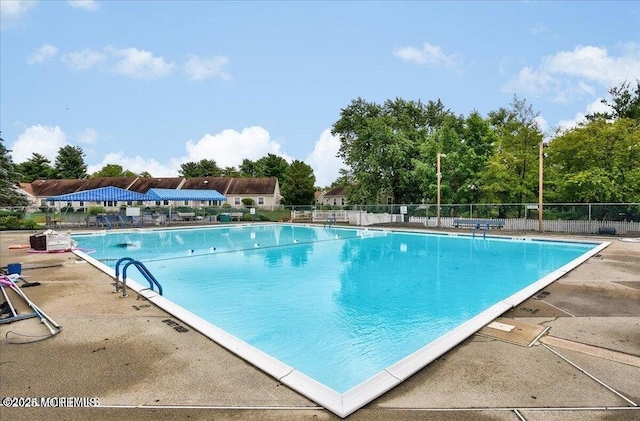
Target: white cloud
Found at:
x=45, y=140
x=323, y=159
x=594, y=107
x=139, y=64
x=83, y=60
x=87, y=136
x=569, y=74
x=90, y=5
x=42, y=54
x=431, y=55
x=15, y=9
x=230, y=147
x=199, y=68
x=137, y=165
x=542, y=123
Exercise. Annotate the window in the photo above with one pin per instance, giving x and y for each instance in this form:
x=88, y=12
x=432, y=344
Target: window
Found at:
x=236, y=200
x=334, y=201
x=260, y=200
x=186, y=203
x=166, y=203
x=69, y=204
x=157, y=203
x=43, y=202
x=389, y=200
x=129, y=202
x=342, y=200
x=81, y=204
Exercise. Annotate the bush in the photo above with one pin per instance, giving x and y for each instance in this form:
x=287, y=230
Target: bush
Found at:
x=29, y=224
x=247, y=201
x=10, y=223
x=226, y=205
x=81, y=210
x=66, y=209
x=96, y=210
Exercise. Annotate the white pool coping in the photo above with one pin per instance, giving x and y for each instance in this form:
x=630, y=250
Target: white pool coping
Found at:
x=344, y=404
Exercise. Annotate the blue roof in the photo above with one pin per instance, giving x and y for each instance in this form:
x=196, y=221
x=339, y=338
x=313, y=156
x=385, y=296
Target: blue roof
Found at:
x=180, y=194
x=101, y=194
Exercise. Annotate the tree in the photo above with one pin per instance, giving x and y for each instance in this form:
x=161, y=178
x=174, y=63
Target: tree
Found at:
x=511, y=175
x=298, y=186
x=203, y=168
x=209, y=168
x=625, y=103
x=9, y=179
x=145, y=174
x=230, y=172
x=380, y=143
x=249, y=169
x=272, y=166
x=113, y=170
x=596, y=162
x=38, y=167
x=70, y=163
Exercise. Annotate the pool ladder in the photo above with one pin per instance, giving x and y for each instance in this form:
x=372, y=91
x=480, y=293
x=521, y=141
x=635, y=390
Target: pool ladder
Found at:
x=485, y=227
x=141, y=268
x=330, y=220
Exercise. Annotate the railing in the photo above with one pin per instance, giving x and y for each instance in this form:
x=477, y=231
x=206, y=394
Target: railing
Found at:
x=141, y=268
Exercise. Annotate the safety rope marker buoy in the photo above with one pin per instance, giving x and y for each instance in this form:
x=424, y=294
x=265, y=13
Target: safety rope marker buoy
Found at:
x=19, y=246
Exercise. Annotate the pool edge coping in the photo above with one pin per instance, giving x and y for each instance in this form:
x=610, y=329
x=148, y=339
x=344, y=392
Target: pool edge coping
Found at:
x=344, y=404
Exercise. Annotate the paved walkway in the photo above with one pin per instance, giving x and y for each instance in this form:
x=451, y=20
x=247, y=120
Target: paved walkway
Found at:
x=129, y=355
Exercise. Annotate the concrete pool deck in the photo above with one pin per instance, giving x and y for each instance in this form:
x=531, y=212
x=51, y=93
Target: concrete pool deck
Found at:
x=144, y=364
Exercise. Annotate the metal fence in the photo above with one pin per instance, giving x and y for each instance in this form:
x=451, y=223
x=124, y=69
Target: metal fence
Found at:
x=576, y=218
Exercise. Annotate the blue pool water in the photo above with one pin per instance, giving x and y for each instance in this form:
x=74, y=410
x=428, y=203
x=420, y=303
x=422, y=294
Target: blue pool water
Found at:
x=339, y=305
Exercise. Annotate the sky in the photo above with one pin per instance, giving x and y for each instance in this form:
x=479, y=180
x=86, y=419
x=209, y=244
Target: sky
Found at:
x=150, y=85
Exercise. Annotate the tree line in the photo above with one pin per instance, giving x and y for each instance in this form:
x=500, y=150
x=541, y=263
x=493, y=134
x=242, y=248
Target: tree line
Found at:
x=390, y=150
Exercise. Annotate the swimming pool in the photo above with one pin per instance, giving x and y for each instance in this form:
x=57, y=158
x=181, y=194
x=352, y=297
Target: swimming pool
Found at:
x=340, y=315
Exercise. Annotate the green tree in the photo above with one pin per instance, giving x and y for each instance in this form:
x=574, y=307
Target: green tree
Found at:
x=230, y=172
x=380, y=143
x=298, y=186
x=511, y=175
x=145, y=174
x=70, y=163
x=249, y=169
x=38, y=167
x=203, y=168
x=112, y=170
x=189, y=169
x=625, y=103
x=9, y=179
x=272, y=166
x=209, y=168
x=596, y=162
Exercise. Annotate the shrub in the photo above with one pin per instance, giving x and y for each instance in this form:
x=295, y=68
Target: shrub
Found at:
x=29, y=224
x=96, y=210
x=226, y=205
x=247, y=201
x=9, y=223
x=66, y=209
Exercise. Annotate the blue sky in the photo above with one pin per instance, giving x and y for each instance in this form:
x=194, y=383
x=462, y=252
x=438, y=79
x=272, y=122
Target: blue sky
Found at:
x=150, y=85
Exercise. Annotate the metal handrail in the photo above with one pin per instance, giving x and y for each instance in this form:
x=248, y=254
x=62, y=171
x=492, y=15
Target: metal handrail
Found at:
x=141, y=268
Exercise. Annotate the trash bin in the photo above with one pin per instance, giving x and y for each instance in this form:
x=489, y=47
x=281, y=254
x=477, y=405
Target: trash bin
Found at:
x=225, y=217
